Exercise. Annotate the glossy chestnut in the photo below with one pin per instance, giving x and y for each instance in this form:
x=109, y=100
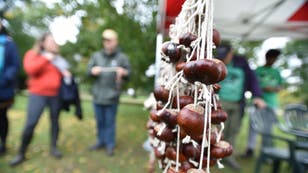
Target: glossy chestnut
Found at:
x=191, y=119
x=191, y=151
x=185, y=166
x=166, y=134
x=221, y=149
x=169, y=117
x=154, y=116
x=218, y=116
x=161, y=93
x=171, y=154
x=207, y=71
x=183, y=101
x=171, y=50
x=186, y=39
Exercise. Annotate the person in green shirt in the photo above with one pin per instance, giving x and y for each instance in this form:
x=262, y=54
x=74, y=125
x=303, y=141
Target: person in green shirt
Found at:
x=271, y=83
x=270, y=79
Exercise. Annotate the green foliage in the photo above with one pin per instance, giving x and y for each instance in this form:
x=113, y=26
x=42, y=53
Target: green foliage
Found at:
x=137, y=39
x=298, y=48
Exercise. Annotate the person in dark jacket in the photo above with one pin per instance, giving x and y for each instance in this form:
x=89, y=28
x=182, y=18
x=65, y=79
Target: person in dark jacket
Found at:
x=110, y=68
x=240, y=78
x=9, y=67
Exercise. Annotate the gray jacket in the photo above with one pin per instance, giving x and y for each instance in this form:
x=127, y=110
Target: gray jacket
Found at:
x=105, y=89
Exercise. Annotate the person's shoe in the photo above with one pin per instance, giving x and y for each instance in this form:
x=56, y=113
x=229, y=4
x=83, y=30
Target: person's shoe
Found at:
x=17, y=160
x=110, y=151
x=248, y=154
x=55, y=153
x=233, y=163
x=95, y=147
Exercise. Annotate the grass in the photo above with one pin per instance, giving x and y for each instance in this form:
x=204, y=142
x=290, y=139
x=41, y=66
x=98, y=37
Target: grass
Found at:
x=76, y=136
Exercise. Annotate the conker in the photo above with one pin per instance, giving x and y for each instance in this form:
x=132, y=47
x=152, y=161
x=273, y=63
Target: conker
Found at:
x=169, y=117
x=218, y=116
x=221, y=149
x=184, y=100
x=186, y=39
x=154, y=116
x=207, y=71
x=171, y=50
x=161, y=94
x=191, y=119
x=166, y=135
x=191, y=151
x=171, y=154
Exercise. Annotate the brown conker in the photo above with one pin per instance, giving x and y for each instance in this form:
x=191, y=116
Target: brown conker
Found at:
x=183, y=100
x=218, y=116
x=207, y=71
x=191, y=119
x=166, y=135
x=171, y=50
x=161, y=93
x=221, y=149
x=186, y=39
x=171, y=154
x=169, y=117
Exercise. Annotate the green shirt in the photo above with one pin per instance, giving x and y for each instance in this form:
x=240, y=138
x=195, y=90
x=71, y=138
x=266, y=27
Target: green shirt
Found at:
x=232, y=87
x=269, y=77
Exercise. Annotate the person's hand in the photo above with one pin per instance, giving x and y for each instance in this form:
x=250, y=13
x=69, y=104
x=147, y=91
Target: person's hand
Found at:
x=96, y=70
x=121, y=72
x=49, y=56
x=259, y=103
x=67, y=73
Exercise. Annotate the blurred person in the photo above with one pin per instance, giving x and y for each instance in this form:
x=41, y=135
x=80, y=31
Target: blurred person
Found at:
x=44, y=80
x=9, y=67
x=240, y=78
x=271, y=83
x=110, y=68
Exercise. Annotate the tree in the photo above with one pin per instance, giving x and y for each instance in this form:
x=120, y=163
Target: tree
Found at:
x=298, y=49
x=137, y=39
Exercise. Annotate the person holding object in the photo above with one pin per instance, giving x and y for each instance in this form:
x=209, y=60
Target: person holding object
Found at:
x=110, y=68
x=240, y=79
x=271, y=83
x=44, y=80
x=9, y=67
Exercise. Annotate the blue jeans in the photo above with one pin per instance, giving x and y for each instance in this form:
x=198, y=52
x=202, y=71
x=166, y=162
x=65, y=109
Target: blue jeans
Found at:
x=36, y=105
x=106, y=124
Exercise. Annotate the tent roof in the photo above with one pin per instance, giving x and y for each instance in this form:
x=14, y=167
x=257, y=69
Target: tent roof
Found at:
x=253, y=19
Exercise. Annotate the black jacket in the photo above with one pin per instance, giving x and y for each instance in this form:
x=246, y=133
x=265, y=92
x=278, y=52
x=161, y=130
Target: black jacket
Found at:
x=69, y=95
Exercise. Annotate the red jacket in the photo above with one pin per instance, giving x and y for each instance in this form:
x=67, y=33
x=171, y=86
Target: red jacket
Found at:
x=43, y=77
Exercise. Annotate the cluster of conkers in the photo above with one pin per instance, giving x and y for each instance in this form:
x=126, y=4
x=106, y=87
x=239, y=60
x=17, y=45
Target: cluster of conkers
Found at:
x=165, y=123
x=207, y=71
x=181, y=135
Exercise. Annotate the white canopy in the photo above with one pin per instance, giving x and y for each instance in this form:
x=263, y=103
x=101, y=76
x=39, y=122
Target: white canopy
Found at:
x=261, y=19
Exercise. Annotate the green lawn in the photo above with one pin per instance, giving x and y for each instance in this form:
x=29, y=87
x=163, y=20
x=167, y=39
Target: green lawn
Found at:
x=76, y=136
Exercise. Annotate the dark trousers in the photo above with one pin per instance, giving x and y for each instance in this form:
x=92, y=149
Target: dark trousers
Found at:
x=106, y=124
x=4, y=126
x=36, y=105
